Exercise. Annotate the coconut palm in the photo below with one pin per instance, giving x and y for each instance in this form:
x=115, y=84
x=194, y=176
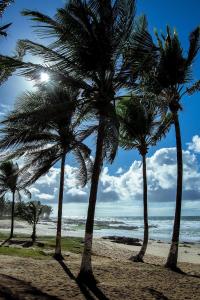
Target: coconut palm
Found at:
x=142, y=125
x=11, y=182
x=89, y=40
x=3, y=5
x=43, y=129
x=4, y=72
x=31, y=212
x=171, y=78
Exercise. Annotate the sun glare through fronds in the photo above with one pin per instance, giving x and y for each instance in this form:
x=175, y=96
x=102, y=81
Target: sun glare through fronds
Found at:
x=44, y=77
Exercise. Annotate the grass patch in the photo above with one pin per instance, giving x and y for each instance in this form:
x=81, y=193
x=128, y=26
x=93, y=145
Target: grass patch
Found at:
x=69, y=244
x=21, y=252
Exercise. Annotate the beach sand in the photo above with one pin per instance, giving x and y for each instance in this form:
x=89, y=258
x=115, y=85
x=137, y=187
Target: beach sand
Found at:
x=118, y=278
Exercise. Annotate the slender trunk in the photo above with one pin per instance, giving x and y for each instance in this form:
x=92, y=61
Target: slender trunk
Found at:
x=12, y=215
x=58, y=254
x=86, y=272
x=33, y=236
x=173, y=252
x=140, y=255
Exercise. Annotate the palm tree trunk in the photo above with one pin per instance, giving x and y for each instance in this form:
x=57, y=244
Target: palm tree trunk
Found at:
x=140, y=255
x=33, y=236
x=12, y=215
x=173, y=252
x=58, y=254
x=86, y=272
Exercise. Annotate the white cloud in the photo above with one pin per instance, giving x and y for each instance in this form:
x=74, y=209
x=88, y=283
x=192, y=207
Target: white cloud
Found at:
x=120, y=171
x=44, y=196
x=126, y=186
x=195, y=144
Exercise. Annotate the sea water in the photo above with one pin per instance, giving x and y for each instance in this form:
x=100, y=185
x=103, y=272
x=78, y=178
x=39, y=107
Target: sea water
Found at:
x=160, y=228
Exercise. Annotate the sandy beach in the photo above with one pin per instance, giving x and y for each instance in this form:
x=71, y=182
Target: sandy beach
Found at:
x=117, y=276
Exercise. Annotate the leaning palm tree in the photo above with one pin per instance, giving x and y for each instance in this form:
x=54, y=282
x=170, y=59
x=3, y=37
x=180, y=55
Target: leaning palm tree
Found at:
x=43, y=129
x=11, y=182
x=171, y=78
x=89, y=40
x=143, y=124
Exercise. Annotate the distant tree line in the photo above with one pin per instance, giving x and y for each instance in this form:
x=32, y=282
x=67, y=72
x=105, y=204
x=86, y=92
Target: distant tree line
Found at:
x=6, y=209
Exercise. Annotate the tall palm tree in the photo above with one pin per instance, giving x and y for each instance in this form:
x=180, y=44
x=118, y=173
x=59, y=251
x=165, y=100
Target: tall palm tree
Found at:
x=11, y=182
x=142, y=125
x=171, y=78
x=43, y=129
x=89, y=40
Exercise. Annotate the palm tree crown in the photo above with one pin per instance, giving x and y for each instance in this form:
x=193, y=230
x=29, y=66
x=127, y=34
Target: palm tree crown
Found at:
x=142, y=122
x=10, y=179
x=49, y=130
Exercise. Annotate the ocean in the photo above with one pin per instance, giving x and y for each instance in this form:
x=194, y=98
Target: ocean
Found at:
x=160, y=228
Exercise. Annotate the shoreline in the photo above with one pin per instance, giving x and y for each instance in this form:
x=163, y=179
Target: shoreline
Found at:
x=48, y=228
x=188, y=252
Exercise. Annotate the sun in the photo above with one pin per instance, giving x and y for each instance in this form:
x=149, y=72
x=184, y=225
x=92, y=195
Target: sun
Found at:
x=44, y=77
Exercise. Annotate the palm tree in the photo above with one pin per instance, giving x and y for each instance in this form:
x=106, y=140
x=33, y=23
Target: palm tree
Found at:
x=4, y=72
x=142, y=125
x=43, y=128
x=89, y=40
x=3, y=5
x=31, y=212
x=11, y=182
x=170, y=78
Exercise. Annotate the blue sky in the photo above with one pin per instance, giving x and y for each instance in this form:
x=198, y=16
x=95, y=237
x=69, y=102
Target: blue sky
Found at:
x=180, y=14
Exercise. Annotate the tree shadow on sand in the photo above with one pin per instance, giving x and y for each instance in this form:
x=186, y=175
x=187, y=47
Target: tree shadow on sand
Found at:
x=12, y=288
x=4, y=242
x=90, y=291
x=156, y=294
x=22, y=243
x=175, y=270
x=178, y=270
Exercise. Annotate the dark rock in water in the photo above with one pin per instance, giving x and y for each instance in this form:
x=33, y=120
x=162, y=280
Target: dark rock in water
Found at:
x=188, y=243
x=124, y=227
x=124, y=240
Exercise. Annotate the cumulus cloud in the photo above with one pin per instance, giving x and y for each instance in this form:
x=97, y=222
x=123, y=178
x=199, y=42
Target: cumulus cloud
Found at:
x=119, y=171
x=195, y=144
x=44, y=196
x=126, y=186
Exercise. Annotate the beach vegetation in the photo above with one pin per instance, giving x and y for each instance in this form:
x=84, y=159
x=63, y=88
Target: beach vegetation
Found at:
x=12, y=182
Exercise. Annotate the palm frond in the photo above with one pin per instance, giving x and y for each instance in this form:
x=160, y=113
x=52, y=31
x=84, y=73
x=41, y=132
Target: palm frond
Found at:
x=194, y=47
x=162, y=130
x=194, y=88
